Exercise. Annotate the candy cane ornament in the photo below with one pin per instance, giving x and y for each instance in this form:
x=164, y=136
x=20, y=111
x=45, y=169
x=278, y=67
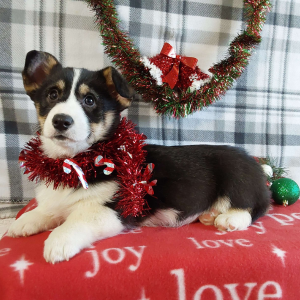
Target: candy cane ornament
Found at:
x=67, y=167
x=100, y=161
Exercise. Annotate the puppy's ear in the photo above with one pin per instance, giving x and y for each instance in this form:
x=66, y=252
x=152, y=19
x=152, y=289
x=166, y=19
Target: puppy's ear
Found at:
x=38, y=66
x=118, y=87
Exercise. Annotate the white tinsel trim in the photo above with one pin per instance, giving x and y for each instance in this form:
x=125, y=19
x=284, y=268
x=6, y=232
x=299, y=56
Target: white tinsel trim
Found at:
x=197, y=84
x=155, y=72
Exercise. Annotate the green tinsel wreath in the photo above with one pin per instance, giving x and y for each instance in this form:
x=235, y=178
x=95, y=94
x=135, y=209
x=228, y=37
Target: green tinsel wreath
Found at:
x=167, y=101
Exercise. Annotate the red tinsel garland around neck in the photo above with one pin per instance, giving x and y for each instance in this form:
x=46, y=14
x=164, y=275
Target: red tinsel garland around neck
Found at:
x=124, y=149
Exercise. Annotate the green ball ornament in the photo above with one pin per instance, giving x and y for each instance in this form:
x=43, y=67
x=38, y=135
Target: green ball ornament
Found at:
x=285, y=191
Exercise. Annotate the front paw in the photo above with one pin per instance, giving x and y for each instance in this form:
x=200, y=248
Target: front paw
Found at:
x=29, y=223
x=59, y=246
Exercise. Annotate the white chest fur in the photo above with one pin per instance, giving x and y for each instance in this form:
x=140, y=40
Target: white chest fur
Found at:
x=62, y=201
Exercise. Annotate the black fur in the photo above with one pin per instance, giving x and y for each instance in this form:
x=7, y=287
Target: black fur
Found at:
x=191, y=178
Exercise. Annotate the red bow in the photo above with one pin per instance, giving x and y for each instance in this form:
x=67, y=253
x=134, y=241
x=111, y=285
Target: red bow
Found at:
x=172, y=77
x=147, y=174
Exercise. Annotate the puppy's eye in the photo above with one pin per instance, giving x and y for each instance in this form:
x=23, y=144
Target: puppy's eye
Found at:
x=89, y=100
x=53, y=95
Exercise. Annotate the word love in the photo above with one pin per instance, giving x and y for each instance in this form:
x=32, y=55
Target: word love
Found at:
x=219, y=243
x=249, y=290
x=114, y=256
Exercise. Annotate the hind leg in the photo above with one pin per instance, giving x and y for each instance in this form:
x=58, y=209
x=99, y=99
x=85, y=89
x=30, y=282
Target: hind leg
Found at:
x=219, y=207
x=233, y=219
x=225, y=218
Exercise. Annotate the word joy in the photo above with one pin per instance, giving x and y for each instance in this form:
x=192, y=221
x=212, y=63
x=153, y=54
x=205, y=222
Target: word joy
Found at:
x=116, y=256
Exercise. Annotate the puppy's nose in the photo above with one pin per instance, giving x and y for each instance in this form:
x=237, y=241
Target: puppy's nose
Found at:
x=62, y=122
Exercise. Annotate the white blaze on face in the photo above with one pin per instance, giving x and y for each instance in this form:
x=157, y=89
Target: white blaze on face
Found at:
x=80, y=129
x=76, y=135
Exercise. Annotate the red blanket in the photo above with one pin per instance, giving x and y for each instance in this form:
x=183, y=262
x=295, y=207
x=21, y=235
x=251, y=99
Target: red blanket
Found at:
x=190, y=263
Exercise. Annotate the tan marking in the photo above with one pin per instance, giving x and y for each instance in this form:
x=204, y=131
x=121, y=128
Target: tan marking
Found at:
x=99, y=130
x=125, y=102
x=41, y=119
x=29, y=86
x=84, y=89
x=108, y=76
x=60, y=84
x=37, y=107
x=50, y=63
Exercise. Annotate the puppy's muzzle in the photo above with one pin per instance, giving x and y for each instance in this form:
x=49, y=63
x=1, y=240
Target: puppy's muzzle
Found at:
x=62, y=122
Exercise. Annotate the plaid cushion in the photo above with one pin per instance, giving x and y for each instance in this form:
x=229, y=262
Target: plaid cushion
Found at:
x=260, y=113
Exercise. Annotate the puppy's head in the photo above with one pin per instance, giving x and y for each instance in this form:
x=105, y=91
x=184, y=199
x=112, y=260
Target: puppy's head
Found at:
x=75, y=107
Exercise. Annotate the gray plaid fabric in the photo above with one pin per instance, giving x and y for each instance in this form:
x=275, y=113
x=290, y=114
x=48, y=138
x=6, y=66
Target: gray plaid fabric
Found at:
x=9, y=210
x=260, y=113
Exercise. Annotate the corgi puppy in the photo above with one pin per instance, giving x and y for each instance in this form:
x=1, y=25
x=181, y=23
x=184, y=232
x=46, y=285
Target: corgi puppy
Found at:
x=219, y=185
